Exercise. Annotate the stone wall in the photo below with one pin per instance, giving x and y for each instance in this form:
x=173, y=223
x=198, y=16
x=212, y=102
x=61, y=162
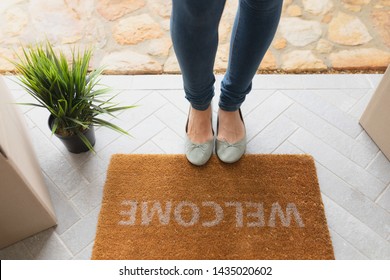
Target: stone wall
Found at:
x=132, y=36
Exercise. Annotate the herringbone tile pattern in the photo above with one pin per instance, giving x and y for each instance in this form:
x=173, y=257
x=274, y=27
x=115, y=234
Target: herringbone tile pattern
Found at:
x=315, y=114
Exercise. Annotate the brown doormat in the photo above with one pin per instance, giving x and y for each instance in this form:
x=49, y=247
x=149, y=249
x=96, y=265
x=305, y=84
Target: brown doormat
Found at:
x=163, y=207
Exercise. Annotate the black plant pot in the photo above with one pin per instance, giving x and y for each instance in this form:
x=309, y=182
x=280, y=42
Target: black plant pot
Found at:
x=73, y=143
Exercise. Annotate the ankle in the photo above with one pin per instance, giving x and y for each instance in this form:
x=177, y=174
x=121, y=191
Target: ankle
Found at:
x=208, y=109
x=230, y=125
x=199, y=127
x=229, y=115
x=200, y=115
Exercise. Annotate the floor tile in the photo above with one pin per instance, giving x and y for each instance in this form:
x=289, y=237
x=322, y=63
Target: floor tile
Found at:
x=384, y=199
x=338, y=81
x=176, y=97
x=91, y=196
x=254, y=99
x=218, y=80
x=40, y=117
x=104, y=137
x=327, y=111
x=21, y=97
x=75, y=160
x=360, y=179
x=356, y=92
x=169, y=141
x=157, y=82
x=331, y=135
x=355, y=232
x=173, y=118
x=265, y=113
x=343, y=250
x=143, y=132
x=82, y=233
x=146, y=107
x=341, y=98
x=367, y=211
x=127, y=97
x=148, y=148
x=270, y=81
x=47, y=246
x=117, y=82
x=271, y=136
x=30, y=124
x=70, y=183
x=380, y=167
x=287, y=148
x=85, y=254
x=12, y=82
x=358, y=109
x=93, y=168
x=50, y=158
x=65, y=212
x=17, y=251
x=374, y=79
x=366, y=140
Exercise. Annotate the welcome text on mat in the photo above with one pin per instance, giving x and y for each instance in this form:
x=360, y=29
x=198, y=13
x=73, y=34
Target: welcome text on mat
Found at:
x=187, y=213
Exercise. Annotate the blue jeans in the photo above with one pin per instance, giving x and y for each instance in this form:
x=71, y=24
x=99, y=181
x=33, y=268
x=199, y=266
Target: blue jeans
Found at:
x=194, y=32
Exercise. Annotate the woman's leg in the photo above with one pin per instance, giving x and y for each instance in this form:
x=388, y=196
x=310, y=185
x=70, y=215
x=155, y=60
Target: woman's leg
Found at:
x=254, y=28
x=194, y=33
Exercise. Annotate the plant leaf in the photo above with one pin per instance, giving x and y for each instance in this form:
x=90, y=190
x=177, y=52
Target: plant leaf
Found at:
x=110, y=125
x=85, y=141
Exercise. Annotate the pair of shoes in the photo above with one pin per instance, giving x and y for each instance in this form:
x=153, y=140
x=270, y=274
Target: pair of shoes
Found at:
x=198, y=153
x=230, y=152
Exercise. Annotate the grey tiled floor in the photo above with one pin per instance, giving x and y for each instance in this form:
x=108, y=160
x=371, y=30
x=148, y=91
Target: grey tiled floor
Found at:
x=315, y=114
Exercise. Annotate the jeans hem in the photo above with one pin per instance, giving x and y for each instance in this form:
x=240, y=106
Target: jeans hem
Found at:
x=230, y=108
x=200, y=107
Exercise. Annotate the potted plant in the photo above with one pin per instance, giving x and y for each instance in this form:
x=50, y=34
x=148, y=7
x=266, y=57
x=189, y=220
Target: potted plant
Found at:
x=73, y=96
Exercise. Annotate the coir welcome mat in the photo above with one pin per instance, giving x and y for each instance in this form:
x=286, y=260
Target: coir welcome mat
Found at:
x=163, y=207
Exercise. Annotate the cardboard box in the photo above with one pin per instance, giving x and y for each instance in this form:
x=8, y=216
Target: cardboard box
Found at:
x=25, y=205
x=376, y=118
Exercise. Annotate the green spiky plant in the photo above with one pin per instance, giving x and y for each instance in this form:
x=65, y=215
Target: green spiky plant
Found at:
x=67, y=90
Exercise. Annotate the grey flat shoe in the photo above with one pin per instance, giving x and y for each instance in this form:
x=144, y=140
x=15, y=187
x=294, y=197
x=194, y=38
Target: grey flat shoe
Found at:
x=230, y=152
x=198, y=153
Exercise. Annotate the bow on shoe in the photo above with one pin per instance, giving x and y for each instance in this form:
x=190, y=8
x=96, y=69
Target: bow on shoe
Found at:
x=202, y=146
